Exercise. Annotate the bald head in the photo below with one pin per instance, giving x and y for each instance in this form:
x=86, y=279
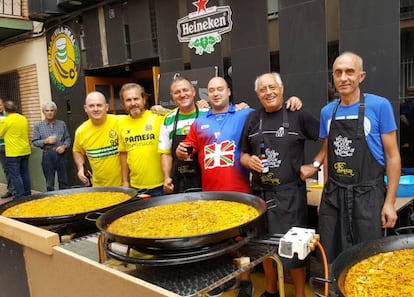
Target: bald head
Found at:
x=96, y=107
x=95, y=96
x=352, y=57
x=219, y=94
x=218, y=80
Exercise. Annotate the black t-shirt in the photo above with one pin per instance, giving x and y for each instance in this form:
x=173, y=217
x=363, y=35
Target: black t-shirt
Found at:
x=302, y=126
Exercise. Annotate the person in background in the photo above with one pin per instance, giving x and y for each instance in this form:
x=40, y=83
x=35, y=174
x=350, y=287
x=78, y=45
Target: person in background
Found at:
x=139, y=133
x=96, y=141
x=10, y=189
x=360, y=143
x=280, y=135
x=179, y=176
x=52, y=136
x=15, y=130
x=215, y=136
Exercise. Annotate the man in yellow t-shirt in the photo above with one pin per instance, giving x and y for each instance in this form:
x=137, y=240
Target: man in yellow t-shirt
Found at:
x=97, y=140
x=138, y=142
x=10, y=189
x=15, y=130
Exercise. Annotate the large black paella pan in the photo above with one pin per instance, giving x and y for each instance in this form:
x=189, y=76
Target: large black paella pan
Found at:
x=69, y=215
x=350, y=257
x=182, y=242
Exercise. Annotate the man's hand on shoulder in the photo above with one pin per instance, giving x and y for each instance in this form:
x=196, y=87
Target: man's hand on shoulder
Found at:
x=203, y=103
x=293, y=103
x=158, y=109
x=242, y=105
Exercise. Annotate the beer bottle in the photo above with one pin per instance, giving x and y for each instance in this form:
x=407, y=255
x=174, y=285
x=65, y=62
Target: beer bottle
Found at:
x=263, y=158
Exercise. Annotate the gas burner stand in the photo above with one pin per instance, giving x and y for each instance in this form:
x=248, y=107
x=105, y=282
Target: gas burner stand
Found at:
x=197, y=271
x=194, y=272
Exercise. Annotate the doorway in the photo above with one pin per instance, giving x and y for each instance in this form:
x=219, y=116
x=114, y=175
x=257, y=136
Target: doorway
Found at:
x=110, y=86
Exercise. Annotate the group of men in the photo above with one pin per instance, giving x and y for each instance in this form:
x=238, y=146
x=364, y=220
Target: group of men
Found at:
x=149, y=152
x=227, y=142
x=122, y=150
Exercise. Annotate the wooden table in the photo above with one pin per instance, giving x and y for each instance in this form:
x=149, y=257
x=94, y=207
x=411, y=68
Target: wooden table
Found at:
x=314, y=199
x=402, y=205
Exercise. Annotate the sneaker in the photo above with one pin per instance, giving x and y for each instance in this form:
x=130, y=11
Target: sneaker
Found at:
x=246, y=289
x=267, y=294
x=231, y=284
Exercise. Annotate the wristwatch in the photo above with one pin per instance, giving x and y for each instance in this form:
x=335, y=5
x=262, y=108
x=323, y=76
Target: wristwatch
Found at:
x=316, y=164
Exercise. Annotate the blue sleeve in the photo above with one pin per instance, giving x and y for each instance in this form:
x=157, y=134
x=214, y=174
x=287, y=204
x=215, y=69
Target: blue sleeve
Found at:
x=386, y=112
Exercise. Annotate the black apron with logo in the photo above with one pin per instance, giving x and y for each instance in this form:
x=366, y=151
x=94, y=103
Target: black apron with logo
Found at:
x=352, y=199
x=186, y=175
x=281, y=188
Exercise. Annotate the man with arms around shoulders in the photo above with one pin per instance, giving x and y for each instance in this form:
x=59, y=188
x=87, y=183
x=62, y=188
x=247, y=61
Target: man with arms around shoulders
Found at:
x=360, y=143
x=52, y=136
x=179, y=176
x=96, y=140
x=138, y=146
x=280, y=135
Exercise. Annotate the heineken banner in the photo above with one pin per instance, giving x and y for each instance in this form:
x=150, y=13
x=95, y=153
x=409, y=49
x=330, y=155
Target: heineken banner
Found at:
x=202, y=29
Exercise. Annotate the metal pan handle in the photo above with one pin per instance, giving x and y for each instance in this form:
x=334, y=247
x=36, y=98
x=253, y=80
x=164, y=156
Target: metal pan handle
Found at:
x=93, y=216
x=190, y=190
x=398, y=230
x=318, y=280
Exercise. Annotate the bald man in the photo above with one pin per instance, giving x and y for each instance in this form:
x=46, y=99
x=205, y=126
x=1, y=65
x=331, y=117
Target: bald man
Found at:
x=359, y=134
x=96, y=140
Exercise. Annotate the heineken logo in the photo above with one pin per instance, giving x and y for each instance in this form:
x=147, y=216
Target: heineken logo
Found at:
x=203, y=29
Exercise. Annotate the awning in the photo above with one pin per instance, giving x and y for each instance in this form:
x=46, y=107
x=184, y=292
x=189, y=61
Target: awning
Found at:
x=10, y=27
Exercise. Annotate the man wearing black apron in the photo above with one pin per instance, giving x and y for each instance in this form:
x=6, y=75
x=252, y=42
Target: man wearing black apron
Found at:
x=360, y=142
x=283, y=134
x=186, y=174
x=179, y=176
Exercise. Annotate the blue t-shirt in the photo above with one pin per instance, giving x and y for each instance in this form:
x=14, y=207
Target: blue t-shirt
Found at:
x=379, y=119
x=216, y=138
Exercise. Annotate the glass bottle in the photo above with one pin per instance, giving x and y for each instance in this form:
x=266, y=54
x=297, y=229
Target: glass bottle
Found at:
x=263, y=158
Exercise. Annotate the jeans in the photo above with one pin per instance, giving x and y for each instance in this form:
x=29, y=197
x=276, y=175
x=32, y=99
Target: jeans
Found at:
x=18, y=169
x=53, y=163
x=10, y=188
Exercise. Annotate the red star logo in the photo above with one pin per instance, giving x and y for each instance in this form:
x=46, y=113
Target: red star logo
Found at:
x=201, y=5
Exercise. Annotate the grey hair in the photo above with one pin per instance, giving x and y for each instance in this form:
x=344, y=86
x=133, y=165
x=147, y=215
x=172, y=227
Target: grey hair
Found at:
x=49, y=104
x=275, y=74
